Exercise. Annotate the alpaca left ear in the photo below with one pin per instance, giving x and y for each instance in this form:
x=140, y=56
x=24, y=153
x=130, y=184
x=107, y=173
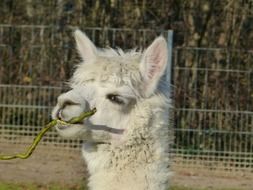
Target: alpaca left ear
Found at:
x=153, y=65
x=86, y=48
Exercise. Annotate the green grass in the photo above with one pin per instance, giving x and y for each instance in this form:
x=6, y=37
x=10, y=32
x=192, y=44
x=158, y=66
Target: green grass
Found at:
x=13, y=186
x=189, y=188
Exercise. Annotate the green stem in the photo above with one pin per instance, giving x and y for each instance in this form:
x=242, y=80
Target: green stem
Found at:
x=38, y=138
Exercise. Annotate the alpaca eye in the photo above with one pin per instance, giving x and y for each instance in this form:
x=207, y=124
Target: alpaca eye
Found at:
x=115, y=99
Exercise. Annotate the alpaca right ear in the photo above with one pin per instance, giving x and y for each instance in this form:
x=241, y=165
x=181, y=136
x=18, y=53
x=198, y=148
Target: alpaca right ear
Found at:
x=86, y=48
x=153, y=65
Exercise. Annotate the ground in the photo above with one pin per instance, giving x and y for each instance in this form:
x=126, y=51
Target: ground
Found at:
x=50, y=165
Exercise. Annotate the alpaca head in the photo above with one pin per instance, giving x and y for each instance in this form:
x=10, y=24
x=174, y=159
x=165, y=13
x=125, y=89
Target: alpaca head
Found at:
x=113, y=82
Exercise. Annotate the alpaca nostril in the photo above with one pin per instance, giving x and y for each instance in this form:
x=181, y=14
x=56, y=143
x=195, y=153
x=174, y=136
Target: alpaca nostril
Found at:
x=59, y=114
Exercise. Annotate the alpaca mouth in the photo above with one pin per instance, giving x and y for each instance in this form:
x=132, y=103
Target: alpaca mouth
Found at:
x=95, y=127
x=67, y=126
x=107, y=129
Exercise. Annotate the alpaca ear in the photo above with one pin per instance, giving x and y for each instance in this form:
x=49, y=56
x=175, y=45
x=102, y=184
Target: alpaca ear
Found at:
x=86, y=48
x=153, y=65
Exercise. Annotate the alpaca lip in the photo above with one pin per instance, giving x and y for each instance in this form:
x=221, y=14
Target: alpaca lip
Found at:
x=95, y=127
x=108, y=129
x=62, y=127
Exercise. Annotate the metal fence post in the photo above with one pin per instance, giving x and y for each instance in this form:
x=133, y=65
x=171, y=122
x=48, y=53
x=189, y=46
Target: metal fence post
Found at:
x=170, y=53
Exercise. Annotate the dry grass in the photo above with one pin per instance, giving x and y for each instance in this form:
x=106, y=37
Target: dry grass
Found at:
x=4, y=186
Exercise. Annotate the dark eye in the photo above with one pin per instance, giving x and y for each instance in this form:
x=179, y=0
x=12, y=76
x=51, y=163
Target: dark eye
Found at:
x=114, y=98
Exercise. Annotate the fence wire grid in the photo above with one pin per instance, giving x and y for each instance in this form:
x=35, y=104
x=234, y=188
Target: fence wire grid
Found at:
x=212, y=89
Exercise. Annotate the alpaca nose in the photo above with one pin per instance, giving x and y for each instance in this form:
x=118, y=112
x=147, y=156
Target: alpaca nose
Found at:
x=68, y=110
x=70, y=104
x=59, y=114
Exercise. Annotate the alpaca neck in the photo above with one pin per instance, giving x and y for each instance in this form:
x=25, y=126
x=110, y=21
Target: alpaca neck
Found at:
x=138, y=165
x=128, y=174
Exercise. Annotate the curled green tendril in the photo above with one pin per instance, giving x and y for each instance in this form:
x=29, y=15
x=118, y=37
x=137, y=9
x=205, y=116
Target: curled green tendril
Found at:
x=38, y=138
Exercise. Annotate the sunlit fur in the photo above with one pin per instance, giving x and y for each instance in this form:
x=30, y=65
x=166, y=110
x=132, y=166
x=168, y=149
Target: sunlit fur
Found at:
x=127, y=140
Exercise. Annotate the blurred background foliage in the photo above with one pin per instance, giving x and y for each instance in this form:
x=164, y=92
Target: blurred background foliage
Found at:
x=204, y=23
x=44, y=25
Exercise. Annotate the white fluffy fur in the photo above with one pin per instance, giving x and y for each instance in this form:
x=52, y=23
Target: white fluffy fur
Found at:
x=127, y=141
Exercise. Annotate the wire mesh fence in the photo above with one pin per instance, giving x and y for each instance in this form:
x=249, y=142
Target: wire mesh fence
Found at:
x=214, y=108
x=24, y=110
x=38, y=53
x=35, y=63
x=212, y=90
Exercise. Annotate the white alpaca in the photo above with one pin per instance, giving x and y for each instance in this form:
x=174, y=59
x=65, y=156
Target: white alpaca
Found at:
x=127, y=140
